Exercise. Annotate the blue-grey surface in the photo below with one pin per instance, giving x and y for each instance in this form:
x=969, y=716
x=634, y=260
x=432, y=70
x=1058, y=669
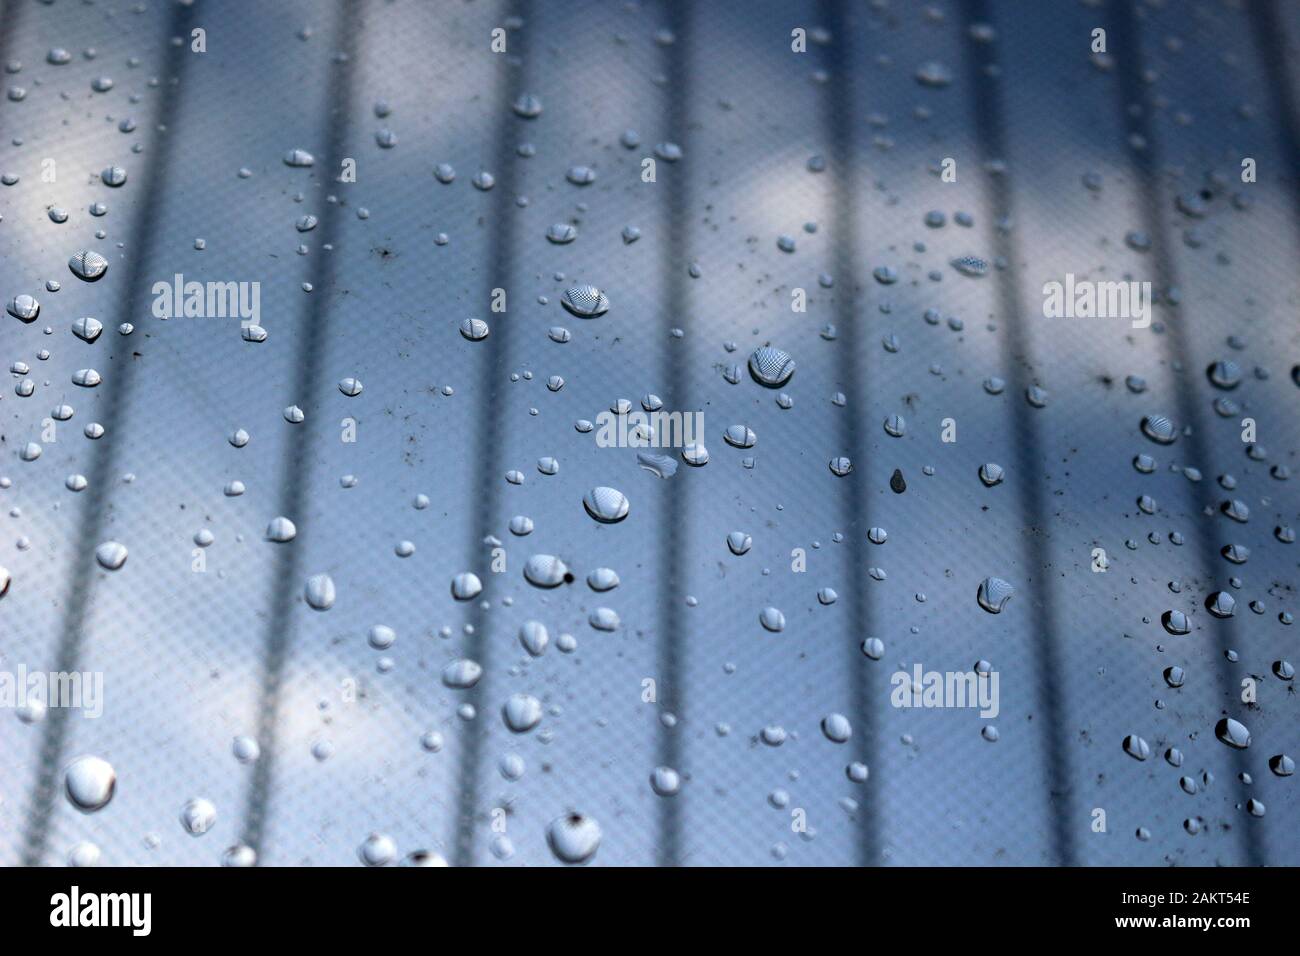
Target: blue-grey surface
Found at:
x=1060, y=155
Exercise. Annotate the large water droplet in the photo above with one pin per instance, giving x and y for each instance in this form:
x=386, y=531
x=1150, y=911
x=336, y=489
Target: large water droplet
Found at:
x=993, y=594
x=111, y=555
x=607, y=505
x=770, y=366
x=90, y=782
x=585, y=301
x=573, y=838
x=545, y=571
x=466, y=586
x=1232, y=733
x=522, y=712
x=320, y=592
x=88, y=265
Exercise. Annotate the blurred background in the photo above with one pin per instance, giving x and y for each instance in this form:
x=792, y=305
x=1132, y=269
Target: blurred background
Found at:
x=721, y=165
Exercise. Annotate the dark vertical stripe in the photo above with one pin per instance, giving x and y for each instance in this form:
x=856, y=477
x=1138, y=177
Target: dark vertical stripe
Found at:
x=675, y=181
x=10, y=17
x=153, y=179
x=491, y=433
x=840, y=122
x=313, y=334
x=991, y=141
x=1125, y=44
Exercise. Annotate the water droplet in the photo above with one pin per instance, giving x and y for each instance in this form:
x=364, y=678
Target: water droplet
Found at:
x=585, y=301
x=90, y=783
x=198, y=816
x=1221, y=604
x=573, y=838
x=474, y=329
x=934, y=75
x=111, y=555
x=24, y=307
x=522, y=712
x=972, y=266
x=319, y=592
x=1136, y=747
x=607, y=505
x=740, y=436
x=604, y=619
x=534, y=637
x=836, y=727
x=1159, y=429
x=1232, y=733
x=695, y=454
x=87, y=329
x=771, y=367
x=665, y=781
x=466, y=586
x=739, y=543
x=545, y=571
x=561, y=233
x=772, y=619
x=88, y=265
x=462, y=674
x=603, y=579
x=378, y=849
x=993, y=594
x=527, y=106
x=281, y=530
x=661, y=466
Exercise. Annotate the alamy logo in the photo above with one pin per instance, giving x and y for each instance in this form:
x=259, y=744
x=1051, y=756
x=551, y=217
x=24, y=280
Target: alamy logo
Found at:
x=38, y=690
x=1084, y=299
x=944, y=689
x=649, y=429
x=208, y=300
x=102, y=909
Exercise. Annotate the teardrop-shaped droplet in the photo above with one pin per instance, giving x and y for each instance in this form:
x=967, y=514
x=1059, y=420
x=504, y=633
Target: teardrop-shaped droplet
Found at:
x=87, y=329
x=534, y=637
x=111, y=555
x=1233, y=733
x=1136, y=747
